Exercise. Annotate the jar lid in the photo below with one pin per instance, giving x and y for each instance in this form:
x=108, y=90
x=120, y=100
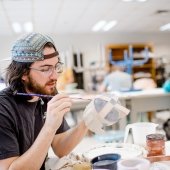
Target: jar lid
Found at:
x=155, y=136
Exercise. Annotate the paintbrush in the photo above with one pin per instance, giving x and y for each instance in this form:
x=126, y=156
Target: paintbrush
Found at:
x=45, y=96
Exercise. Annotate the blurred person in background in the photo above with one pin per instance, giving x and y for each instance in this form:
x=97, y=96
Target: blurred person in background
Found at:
x=116, y=79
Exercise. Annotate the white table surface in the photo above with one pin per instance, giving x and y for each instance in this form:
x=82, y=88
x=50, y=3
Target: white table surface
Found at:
x=89, y=142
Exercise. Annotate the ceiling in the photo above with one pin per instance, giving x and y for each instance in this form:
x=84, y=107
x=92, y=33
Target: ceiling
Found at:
x=79, y=16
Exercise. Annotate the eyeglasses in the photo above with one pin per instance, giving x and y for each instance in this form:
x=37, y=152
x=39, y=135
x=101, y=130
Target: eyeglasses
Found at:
x=48, y=70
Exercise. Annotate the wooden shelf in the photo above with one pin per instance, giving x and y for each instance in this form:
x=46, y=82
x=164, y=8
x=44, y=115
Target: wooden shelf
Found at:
x=118, y=54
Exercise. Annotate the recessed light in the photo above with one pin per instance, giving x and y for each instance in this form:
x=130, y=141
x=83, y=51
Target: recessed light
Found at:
x=28, y=27
x=134, y=0
x=16, y=27
x=165, y=27
x=109, y=25
x=127, y=0
x=141, y=0
x=99, y=25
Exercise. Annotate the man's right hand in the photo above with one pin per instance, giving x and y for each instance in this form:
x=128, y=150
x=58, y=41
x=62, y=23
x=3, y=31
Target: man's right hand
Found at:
x=57, y=107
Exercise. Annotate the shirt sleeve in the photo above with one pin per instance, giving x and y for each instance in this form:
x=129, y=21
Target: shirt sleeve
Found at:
x=64, y=127
x=9, y=146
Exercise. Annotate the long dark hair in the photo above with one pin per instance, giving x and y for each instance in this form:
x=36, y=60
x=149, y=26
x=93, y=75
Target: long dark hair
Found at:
x=14, y=73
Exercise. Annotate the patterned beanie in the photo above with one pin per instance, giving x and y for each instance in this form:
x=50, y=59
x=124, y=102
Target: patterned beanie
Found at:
x=29, y=48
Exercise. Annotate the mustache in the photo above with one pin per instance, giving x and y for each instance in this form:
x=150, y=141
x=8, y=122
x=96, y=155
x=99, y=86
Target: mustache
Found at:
x=51, y=82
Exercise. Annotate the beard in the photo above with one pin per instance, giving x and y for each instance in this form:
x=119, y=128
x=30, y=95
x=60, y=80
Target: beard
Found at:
x=34, y=87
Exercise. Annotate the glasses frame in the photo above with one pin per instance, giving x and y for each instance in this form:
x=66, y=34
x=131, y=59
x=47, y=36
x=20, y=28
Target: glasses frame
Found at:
x=58, y=68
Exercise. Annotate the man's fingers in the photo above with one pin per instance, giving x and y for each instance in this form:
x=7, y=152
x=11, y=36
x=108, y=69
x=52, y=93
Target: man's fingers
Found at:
x=62, y=106
x=58, y=97
x=60, y=102
x=66, y=110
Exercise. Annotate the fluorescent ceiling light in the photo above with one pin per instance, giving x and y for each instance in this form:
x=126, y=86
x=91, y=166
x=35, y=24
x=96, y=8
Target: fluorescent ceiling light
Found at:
x=99, y=25
x=16, y=27
x=109, y=25
x=165, y=27
x=134, y=0
x=127, y=0
x=28, y=27
x=142, y=0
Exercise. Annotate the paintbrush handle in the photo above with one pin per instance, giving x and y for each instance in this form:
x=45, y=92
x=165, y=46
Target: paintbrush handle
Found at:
x=46, y=96
x=33, y=94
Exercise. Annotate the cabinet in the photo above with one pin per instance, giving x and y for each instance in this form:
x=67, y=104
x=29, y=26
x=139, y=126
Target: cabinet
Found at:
x=78, y=76
x=145, y=70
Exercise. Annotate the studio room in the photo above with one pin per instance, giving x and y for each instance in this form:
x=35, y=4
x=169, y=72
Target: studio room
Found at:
x=85, y=84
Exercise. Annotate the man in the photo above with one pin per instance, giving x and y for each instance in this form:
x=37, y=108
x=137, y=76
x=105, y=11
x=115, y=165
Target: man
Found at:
x=29, y=125
x=116, y=80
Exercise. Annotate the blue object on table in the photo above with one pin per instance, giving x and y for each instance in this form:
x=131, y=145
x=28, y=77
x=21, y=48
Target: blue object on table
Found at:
x=106, y=161
x=166, y=86
x=130, y=90
x=110, y=136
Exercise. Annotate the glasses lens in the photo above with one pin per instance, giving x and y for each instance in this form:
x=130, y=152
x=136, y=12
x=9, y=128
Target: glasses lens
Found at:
x=59, y=68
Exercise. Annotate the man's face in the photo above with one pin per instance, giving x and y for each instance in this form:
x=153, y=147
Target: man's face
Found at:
x=39, y=80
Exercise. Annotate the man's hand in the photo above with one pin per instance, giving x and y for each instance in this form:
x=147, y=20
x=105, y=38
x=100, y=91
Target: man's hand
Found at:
x=56, y=109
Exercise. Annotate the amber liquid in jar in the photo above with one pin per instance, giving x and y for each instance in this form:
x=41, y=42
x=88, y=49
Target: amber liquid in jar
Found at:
x=155, y=144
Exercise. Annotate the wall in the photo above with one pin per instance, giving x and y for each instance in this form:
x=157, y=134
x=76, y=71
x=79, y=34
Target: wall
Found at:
x=90, y=44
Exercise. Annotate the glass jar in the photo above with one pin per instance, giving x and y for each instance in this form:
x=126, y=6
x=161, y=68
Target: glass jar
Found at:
x=155, y=144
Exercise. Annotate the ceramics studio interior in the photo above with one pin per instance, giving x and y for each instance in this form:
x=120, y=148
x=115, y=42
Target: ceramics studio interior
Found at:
x=84, y=84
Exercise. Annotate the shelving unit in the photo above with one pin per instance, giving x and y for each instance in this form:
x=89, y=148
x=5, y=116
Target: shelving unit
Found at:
x=78, y=76
x=148, y=69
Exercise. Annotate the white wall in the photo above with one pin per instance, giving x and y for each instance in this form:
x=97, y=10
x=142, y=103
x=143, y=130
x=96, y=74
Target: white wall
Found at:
x=89, y=44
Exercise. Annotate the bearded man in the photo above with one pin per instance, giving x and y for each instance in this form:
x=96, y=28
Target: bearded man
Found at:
x=29, y=121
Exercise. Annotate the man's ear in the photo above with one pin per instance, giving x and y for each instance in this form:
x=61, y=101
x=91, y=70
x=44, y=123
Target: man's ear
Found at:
x=25, y=77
